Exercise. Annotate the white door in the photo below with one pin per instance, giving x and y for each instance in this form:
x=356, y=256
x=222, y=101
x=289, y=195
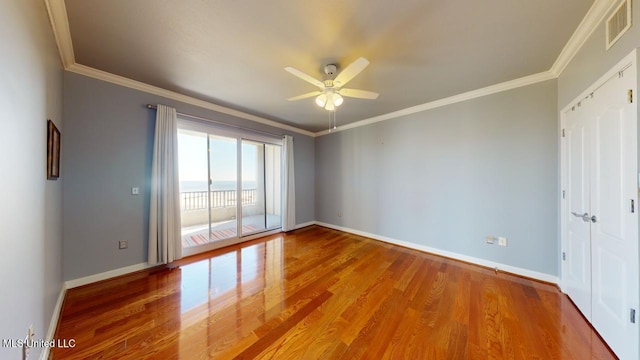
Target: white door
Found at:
x=599, y=212
x=614, y=227
x=577, y=270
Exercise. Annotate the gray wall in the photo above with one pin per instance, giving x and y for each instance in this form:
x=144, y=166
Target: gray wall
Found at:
x=448, y=177
x=460, y=160
x=30, y=206
x=108, y=147
x=593, y=60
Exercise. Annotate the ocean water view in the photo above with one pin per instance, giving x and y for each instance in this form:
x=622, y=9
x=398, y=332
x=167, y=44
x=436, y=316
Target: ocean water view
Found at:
x=190, y=185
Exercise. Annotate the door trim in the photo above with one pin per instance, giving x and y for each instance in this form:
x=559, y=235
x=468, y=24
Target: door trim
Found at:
x=239, y=136
x=627, y=61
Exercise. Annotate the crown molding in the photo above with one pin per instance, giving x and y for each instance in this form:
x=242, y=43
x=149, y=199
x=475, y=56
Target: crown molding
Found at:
x=587, y=26
x=150, y=89
x=493, y=89
x=60, y=25
x=61, y=31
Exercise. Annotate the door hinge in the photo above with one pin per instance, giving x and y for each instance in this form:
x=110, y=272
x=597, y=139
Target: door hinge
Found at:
x=564, y=256
x=633, y=207
x=563, y=194
x=563, y=133
x=630, y=96
x=632, y=316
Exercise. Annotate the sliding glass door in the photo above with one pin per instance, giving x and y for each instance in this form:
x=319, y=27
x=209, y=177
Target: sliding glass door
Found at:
x=223, y=187
x=261, y=174
x=230, y=186
x=193, y=165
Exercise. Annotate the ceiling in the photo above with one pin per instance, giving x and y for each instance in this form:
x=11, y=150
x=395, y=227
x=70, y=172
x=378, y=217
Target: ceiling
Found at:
x=233, y=52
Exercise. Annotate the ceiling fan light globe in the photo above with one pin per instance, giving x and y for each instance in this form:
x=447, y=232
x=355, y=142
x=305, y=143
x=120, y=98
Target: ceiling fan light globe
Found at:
x=337, y=99
x=321, y=100
x=330, y=106
x=330, y=96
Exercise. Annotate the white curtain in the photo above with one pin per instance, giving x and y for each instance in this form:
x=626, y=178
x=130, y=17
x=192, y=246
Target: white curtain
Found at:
x=289, y=198
x=165, y=243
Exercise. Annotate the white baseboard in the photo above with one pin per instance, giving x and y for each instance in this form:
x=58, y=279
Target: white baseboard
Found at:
x=70, y=284
x=54, y=322
x=300, y=226
x=137, y=267
x=79, y=282
x=456, y=256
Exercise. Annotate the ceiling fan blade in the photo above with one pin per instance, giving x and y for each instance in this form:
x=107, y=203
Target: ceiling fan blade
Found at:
x=361, y=94
x=305, y=77
x=304, y=96
x=350, y=72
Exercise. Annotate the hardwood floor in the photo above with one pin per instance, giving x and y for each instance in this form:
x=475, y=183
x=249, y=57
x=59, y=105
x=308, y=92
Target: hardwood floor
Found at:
x=322, y=294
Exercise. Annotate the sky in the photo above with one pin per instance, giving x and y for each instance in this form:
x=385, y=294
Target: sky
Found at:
x=192, y=158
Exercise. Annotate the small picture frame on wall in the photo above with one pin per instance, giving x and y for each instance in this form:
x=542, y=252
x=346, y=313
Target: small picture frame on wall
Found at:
x=53, y=151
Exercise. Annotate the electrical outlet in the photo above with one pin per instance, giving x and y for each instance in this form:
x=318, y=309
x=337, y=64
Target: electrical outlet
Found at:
x=502, y=241
x=490, y=239
x=340, y=213
x=135, y=191
x=123, y=244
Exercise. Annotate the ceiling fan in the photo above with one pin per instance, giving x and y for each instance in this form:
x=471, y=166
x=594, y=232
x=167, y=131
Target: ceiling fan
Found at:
x=331, y=91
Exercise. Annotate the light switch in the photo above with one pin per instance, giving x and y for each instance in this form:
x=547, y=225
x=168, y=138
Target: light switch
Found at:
x=502, y=241
x=135, y=191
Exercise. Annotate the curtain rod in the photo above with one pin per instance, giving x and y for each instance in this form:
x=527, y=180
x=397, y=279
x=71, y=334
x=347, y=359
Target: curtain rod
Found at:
x=155, y=107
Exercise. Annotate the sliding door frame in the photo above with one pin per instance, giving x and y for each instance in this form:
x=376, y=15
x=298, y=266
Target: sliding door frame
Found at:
x=239, y=135
x=264, y=142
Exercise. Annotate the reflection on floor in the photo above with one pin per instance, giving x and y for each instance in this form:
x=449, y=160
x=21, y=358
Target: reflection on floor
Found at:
x=215, y=278
x=197, y=235
x=317, y=293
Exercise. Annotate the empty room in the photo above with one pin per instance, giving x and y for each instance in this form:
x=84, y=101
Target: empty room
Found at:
x=210, y=179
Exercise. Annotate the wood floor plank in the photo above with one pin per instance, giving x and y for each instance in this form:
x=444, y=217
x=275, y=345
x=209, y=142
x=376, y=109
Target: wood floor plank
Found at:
x=318, y=293
x=397, y=346
x=263, y=342
x=373, y=336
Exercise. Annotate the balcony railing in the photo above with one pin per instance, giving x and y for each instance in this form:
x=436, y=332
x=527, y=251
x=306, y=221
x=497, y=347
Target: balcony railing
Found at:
x=197, y=200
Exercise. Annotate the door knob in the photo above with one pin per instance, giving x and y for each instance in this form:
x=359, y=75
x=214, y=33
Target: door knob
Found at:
x=585, y=217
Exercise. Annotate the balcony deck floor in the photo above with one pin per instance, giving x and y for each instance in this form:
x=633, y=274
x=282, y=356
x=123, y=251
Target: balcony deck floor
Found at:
x=197, y=235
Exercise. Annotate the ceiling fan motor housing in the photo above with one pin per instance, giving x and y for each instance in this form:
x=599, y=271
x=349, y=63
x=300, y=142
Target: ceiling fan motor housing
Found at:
x=330, y=69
